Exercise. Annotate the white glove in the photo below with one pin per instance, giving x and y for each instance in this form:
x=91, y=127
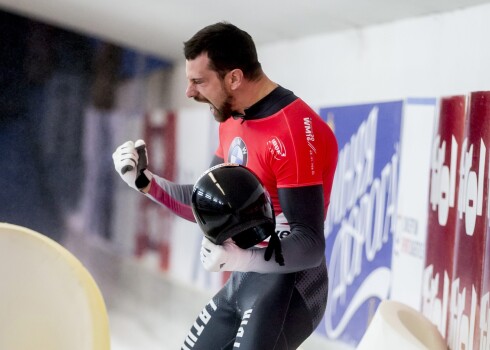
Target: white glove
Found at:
x=226, y=257
x=127, y=163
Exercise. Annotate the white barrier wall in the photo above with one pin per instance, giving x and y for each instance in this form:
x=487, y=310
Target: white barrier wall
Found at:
x=430, y=56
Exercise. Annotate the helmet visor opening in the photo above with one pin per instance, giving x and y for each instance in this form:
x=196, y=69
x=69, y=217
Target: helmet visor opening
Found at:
x=253, y=235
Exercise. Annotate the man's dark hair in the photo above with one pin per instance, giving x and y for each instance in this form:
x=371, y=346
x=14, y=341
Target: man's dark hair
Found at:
x=228, y=47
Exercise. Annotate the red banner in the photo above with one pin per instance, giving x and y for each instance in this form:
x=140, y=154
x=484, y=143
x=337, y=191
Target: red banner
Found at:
x=485, y=299
x=469, y=253
x=442, y=216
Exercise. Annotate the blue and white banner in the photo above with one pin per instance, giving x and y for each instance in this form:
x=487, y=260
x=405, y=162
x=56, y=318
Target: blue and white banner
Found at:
x=362, y=215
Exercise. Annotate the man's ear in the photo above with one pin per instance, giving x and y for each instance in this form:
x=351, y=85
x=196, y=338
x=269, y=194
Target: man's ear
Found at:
x=235, y=77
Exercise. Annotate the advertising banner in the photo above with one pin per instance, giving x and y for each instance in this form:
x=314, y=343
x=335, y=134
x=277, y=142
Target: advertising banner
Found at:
x=411, y=228
x=442, y=210
x=484, y=324
x=361, y=219
x=464, y=319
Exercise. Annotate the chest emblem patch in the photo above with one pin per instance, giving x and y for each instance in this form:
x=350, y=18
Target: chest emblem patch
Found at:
x=238, y=153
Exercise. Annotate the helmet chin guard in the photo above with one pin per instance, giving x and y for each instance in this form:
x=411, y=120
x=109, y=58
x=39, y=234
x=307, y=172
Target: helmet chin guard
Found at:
x=229, y=201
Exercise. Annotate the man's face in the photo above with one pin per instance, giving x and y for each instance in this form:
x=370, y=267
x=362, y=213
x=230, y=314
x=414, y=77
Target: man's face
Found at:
x=205, y=85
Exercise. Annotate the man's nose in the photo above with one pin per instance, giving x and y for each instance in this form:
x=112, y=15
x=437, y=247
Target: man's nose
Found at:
x=190, y=91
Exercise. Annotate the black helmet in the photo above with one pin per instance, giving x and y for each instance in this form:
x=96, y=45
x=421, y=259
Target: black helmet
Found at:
x=229, y=201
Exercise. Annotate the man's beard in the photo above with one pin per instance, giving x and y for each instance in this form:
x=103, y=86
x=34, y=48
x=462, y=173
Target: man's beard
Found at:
x=223, y=113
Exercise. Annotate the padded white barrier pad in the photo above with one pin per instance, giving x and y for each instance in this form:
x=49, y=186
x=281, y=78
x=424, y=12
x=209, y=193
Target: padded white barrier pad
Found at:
x=48, y=300
x=398, y=326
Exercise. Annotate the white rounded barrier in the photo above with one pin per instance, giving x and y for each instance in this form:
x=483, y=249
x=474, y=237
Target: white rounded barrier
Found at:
x=48, y=300
x=398, y=326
